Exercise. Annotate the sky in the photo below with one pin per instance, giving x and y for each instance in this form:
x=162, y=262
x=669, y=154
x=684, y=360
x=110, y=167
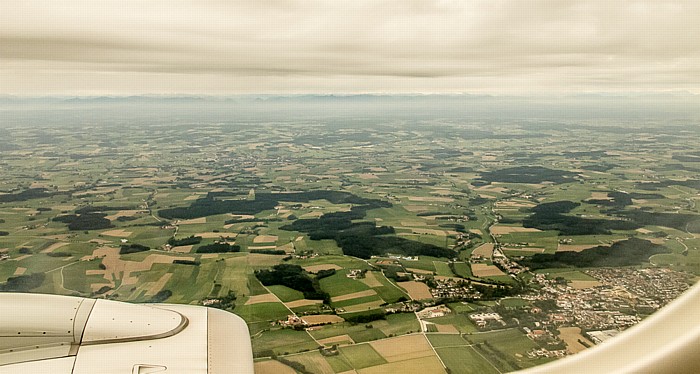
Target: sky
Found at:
x=518, y=47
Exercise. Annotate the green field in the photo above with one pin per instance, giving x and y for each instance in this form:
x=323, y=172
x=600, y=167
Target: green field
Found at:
x=339, y=284
x=442, y=268
x=361, y=356
x=446, y=340
x=262, y=312
x=464, y=360
x=286, y=294
x=463, y=269
x=282, y=342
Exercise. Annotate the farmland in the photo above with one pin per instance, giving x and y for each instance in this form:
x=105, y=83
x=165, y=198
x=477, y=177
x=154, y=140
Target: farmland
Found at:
x=380, y=221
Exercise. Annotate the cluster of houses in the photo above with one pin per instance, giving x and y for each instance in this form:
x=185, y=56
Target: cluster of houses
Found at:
x=434, y=312
x=483, y=319
x=356, y=274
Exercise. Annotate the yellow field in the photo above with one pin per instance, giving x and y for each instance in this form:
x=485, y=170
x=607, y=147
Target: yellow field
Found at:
x=314, y=214
x=54, y=247
x=317, y=268
x=117, y=233
x=215, y=235
x=353, y=295
x=116, y=268
x=195, y=221
x=313, y=360
x=502, y=230
x=514, y=204
x=574, y=248
x=449, y=329
x=403, y=348
x=158, y=285
x=259, y=259
x=321, y=319
x=371, y=280
x=272, y=367
x=600, y=196
x=367, y=176
x=525, y=249
x=193, y=197
x=415, y=366
x=416, y=208
x=266, y=298
x=416, y=290
x=571, y=336
x=484, y=270
x=124, y=213
x=182, y=249
x=242, y=216
x=484, y=250
x=582, y=284
x=419, y=271
x=265, y=239
x=19, y=271
x=287, y=248
x=492, y=188
x=431, y=198
x=340, y=339
x=302, y=302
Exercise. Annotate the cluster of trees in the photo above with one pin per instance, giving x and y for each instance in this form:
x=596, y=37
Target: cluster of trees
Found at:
x=218, y=248
x=23, y=283
x=687, y=157
x=187, y=262
x=211, y=205
x=132, y=248
x=59, y=254
x=190, y=240
x=243, y=220
x=620, y=199
x=85, y=221
x=551, y=216
x=161, y=296
x=392, y=272
x=528, y=174
x=679, y=221
x=28, y=194
x=294, y=277
x=363, y=239
x=297, y=366
x=101, y=209
x=654, y=186
x=4, y=233
x=629, y=252
x=379, y=314
x=497, y=292
x=268, y=251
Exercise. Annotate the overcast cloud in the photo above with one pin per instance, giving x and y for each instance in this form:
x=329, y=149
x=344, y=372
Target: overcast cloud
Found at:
x=286, y=46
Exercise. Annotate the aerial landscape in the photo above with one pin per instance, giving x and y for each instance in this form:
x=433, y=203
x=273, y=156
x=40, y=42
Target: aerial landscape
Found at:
x=367, y=186
x=475, y=246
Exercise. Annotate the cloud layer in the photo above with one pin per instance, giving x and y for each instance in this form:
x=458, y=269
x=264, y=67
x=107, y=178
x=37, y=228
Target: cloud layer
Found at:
x=490, y=46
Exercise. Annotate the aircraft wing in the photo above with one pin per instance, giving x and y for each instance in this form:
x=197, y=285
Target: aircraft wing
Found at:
x=63, y=334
